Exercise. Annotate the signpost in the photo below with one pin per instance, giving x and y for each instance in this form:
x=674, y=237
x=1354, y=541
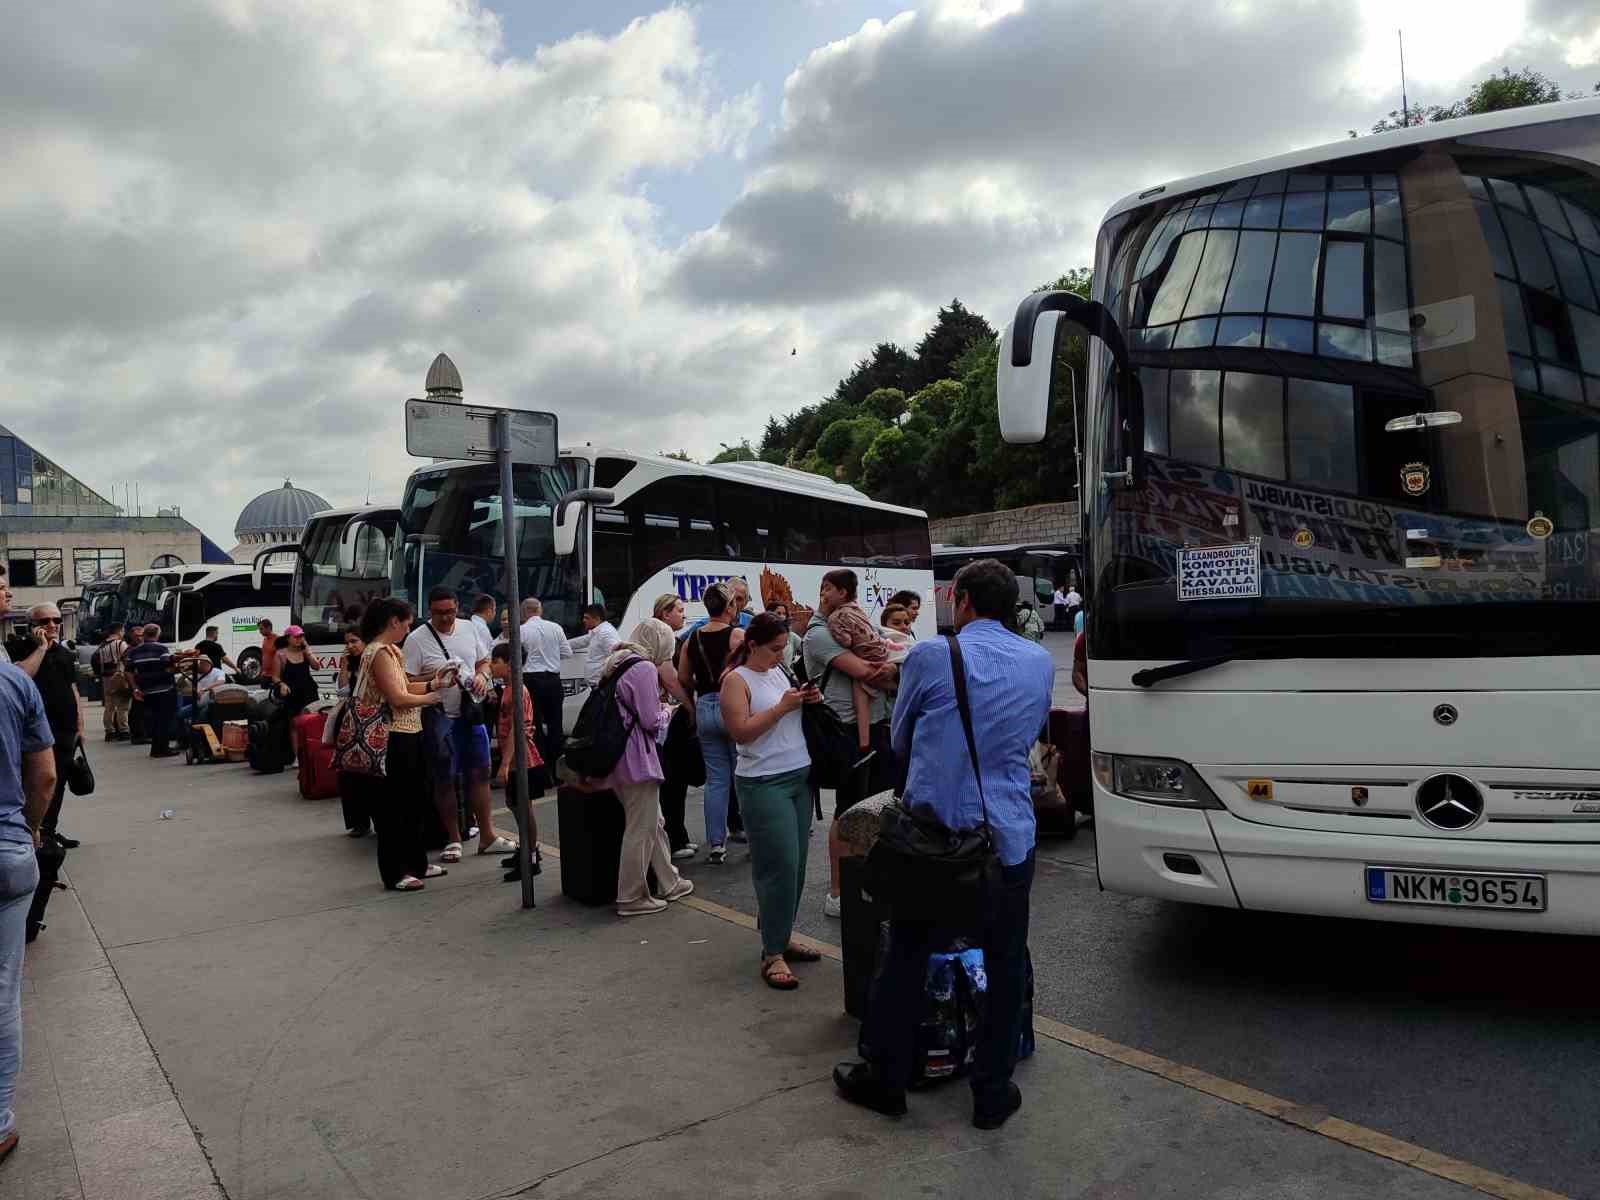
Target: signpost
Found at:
x=436, y=429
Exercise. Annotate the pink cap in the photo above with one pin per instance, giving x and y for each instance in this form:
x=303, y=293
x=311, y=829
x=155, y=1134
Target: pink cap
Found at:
x=294, y=631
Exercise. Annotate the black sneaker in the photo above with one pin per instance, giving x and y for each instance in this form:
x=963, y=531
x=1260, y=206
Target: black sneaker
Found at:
x=858, y=1083
x=65, y=842
x=986, y=1118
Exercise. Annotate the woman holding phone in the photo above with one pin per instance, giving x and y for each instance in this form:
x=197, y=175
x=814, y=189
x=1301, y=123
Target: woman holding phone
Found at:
x=761, y=712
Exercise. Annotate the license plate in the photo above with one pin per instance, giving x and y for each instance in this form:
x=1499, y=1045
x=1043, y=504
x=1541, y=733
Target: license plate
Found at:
x=1455, y=889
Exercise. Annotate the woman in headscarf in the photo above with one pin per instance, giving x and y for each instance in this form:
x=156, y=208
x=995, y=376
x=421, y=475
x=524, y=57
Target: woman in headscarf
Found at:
x=682, y=766
x=637, y=776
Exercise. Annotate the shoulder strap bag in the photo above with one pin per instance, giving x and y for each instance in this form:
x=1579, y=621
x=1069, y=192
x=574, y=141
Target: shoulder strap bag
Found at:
x=924, y=870
x=471, y=706
x=361, y=745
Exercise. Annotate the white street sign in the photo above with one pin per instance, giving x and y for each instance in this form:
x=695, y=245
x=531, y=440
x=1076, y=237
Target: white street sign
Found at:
x=439, y=430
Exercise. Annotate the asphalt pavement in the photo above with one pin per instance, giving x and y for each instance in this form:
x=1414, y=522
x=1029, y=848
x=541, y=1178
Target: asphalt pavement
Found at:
x=227, y=1004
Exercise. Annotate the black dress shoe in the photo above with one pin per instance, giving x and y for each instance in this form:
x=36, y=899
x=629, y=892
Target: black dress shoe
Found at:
x=987, y=1118
x=355, y=833
x=858, y=1083
x=64, y=841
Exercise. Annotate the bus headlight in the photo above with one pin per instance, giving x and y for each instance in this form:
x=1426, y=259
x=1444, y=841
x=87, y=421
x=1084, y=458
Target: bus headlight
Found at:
x=1157, y=780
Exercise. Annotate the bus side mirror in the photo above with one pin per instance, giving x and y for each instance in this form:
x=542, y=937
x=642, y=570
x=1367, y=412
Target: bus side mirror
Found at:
x=1024, y=391
x=569, y=515
x=258, y=565
x=347, y=545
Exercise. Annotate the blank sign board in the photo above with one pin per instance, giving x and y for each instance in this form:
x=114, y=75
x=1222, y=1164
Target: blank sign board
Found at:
x=440, y=430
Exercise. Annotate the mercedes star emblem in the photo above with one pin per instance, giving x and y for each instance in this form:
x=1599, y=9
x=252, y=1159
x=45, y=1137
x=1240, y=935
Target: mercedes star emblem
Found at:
x=1446, y=714
x=1449, y=802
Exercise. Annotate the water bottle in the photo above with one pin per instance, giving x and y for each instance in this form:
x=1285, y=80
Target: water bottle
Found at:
x=166, y=814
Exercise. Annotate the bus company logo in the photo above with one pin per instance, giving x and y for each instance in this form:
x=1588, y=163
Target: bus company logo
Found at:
x=691, y=587
x=874, y=592
x=1259, y=789
x=1415, y=477
x=1304, y=538
x=1583, y=800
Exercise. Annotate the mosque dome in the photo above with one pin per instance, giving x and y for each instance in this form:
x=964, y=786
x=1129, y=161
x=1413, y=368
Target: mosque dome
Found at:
x=278, y=515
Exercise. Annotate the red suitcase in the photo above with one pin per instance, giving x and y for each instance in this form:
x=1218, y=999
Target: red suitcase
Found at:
x=318, y=780
x=1069, y=733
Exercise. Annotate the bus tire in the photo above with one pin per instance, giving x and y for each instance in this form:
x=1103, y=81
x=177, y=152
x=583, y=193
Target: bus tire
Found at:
x=249, y=665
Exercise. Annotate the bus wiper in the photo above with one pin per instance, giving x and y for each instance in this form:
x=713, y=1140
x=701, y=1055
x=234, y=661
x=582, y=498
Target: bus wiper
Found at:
x=1274, y=647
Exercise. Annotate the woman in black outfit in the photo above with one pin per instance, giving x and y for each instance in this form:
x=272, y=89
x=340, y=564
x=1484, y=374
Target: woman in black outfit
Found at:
x=396, y=800
x=700, y=663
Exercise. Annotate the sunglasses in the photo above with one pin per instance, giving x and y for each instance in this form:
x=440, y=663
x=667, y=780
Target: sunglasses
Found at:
x=46, y=621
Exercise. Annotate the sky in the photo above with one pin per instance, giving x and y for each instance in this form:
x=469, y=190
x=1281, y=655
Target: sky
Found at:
x=236, y=232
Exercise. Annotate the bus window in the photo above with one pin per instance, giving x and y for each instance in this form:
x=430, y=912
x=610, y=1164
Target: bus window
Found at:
x=674, y=519
x=841, y=532
x=752, y=522
x=911, y=545
x=802, y=535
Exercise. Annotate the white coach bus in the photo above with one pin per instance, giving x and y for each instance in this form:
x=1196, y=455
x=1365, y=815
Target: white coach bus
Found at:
x=620, y=529
x=343, y=562
x=1343, y=477
x=184, y=600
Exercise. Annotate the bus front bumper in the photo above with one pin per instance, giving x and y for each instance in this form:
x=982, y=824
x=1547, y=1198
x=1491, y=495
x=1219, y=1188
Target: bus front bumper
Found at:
x=1209, y=856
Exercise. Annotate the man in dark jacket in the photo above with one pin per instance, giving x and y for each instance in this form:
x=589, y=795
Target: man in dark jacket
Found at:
x=54, y=671
x=151, y=664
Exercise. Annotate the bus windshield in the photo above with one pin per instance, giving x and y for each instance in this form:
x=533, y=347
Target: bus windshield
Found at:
x=453, y=537
x=327, y=600
x=1370, y=411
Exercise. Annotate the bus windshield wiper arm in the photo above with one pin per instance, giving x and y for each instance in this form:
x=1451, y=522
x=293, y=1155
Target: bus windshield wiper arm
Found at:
x=1154, y=675
x=1269, y=648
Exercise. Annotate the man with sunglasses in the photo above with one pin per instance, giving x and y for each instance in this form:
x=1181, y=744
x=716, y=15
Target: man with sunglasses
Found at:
x=54, y=671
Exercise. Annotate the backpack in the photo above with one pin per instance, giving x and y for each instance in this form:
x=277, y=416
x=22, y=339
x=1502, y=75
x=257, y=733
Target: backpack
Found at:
x=600, y=736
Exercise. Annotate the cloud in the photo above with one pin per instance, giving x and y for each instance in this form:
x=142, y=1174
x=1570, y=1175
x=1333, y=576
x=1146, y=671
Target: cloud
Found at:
x=236, y=232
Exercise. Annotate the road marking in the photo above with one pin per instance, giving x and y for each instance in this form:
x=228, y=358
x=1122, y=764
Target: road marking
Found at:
x=1313, y=1120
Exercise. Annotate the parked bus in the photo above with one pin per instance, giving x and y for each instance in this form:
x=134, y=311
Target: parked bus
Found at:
x=623, y=528
x=1343, y=490
x=343, y=562
x=1040, y=568
x=224, y=595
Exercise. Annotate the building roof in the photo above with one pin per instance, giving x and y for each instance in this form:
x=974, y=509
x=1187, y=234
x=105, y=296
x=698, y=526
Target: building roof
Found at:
x=443, y=377
x=282, y=510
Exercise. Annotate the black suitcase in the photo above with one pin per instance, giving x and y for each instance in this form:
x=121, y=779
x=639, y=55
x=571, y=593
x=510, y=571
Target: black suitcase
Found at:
x=591, y=844
x=265, y=751
x=50, y=858
x=859, y=922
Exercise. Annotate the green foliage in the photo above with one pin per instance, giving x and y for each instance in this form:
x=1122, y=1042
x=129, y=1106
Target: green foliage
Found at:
x=1509, y=89
x=740, y=453
x=924, y=431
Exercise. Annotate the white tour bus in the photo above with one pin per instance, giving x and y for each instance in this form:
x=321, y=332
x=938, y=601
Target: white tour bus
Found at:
x=1343, y=476
x=185, y=600
x=624, y=528
x=342, y=563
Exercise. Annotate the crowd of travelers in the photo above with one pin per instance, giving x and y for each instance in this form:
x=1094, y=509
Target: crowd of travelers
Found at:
x=720, y=702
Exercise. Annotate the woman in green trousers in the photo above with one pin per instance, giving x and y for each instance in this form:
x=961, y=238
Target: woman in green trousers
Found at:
x=761, y=713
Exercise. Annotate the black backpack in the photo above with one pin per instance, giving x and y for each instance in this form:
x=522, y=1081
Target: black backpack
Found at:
x=600, y=736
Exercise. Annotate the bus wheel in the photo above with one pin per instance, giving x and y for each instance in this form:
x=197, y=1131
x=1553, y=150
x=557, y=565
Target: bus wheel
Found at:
x=249, y=666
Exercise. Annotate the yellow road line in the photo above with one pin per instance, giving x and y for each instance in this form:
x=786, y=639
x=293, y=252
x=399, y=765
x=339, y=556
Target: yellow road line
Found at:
x=1313, y=1120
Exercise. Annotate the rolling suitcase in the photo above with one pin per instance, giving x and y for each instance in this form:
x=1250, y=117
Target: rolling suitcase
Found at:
x=318, y=779
x=860, y=919
x=591, y=844
x=264, y=752
x=50, y=858
x=306, y=728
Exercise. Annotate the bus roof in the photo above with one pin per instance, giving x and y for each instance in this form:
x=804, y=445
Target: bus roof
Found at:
x=1460, y=129
x=354, y=510
x=206, y=569
x=1048, y=549
x=761, y=474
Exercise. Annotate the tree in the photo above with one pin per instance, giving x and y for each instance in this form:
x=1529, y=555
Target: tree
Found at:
x=938, y=401
x=740, y=453
x=844, y=442
x=953, y=331
x=886, y=403
x=891, y=468
x=1509, y=89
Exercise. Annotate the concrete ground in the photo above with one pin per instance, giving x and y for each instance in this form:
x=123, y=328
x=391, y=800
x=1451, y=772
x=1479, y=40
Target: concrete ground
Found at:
x=227, y=1004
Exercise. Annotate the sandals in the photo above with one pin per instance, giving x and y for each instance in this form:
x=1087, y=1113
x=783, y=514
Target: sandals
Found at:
x=776, y=974
x=500, y=845
x=409, y=883
x=452, y=853
x=802, y=953
x=434, y=872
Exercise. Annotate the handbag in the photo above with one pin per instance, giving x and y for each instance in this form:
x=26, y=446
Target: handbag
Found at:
x=924, y=870
x=830, y=740
x=361, y=747
x=682, y=753
x=471, y=706
x=80, y=775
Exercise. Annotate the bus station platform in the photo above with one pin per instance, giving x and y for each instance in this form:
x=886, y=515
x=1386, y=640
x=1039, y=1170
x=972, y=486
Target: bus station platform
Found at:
x=226, y=1004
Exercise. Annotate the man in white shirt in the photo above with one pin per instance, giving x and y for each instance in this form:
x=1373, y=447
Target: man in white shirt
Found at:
x=1074, y=605
x=482, y=609
x=544, y=645
x=459, y=750
x=208, y=679
x=598, y=643
x=1060, y=604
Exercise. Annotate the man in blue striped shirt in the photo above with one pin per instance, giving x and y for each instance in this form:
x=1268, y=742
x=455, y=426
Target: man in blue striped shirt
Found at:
x=1009, y=686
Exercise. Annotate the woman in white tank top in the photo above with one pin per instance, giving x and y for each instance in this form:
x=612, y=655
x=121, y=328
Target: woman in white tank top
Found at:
x=761, y=712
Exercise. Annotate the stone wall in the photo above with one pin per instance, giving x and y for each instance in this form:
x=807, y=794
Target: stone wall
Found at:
x=1037, y=523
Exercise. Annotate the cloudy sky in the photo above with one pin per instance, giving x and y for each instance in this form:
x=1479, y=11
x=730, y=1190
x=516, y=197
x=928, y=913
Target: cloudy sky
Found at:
x=235, y=232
